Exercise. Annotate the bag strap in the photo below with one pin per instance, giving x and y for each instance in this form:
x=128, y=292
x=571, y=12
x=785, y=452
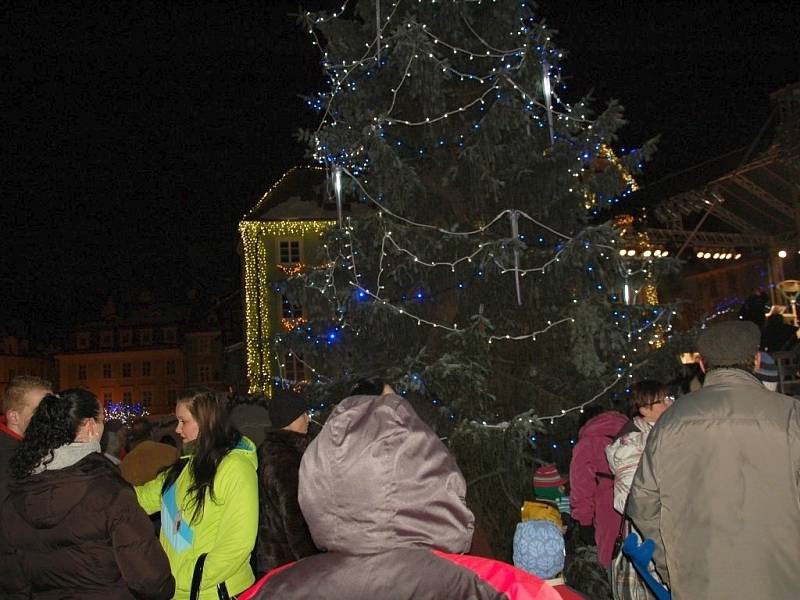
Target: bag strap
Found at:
x=197, y=577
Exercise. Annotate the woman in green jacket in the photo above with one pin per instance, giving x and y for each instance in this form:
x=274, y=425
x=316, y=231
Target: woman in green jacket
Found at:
x=208, y=499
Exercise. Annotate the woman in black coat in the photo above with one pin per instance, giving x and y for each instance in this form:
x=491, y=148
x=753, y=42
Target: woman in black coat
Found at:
x=71, y=526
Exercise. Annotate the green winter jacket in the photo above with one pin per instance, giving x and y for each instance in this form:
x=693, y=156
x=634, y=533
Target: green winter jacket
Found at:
x=226, y=530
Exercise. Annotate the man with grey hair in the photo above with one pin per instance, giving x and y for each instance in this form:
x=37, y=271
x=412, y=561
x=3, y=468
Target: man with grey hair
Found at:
x=717, y=486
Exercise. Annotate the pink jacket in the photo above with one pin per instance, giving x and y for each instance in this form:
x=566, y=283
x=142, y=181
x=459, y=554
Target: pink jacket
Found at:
x=592, y=484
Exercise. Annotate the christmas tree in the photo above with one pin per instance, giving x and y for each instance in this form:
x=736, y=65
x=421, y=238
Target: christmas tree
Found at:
x=483, y=283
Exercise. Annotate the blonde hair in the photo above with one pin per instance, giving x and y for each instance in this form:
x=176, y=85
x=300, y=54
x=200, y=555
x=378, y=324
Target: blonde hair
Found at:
x=14, y=397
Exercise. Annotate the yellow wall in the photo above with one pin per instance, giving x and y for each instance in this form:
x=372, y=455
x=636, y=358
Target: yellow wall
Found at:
x=159, y=383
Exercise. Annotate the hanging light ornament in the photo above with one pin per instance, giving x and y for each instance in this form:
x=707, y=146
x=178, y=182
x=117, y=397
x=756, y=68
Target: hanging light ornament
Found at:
x=336, y=175
x=514, y=216
x=548, y=102
x=378, y=30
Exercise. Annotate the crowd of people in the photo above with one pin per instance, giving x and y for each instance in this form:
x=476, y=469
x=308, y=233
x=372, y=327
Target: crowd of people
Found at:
x=375, y=505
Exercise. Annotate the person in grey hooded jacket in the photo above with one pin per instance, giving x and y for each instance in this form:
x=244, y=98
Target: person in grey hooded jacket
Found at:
x=385, y=499
x=717, y=485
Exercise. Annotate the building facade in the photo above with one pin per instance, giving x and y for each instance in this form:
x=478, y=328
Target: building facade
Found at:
x=280, y=236
x=143, y=359
x=17, y=358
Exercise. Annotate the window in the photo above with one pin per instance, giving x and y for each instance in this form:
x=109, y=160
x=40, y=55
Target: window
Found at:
x=170, y=367
x=106, y=339
x=147, y=399
x=289, y=310
x=172, y=398
x=126, y=369
x=107, y=398
x=146, y=369
x=81, y=371
x=204, y=373
x=145, y=337
x=125, y=337
x=83, y=340
x=289, y=251
x=169, y=335
x=293, y=368
x=127, y=397
x=203, y=345
x=733, y=282
x=106, y=371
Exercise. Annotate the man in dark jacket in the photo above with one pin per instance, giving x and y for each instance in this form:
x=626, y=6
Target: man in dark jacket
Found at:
x=282, y=531
x=717, y=485
x=20, y=400
x=385, y=498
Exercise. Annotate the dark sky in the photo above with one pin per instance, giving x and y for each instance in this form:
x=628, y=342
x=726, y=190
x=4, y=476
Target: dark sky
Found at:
x=136, y=134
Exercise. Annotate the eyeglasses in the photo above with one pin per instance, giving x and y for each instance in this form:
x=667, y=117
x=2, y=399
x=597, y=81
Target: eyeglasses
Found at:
x=666, y=400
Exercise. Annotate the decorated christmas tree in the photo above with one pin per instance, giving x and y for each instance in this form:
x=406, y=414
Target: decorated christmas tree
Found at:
x=484, y=282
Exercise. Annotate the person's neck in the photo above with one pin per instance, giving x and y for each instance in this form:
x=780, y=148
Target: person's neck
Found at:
x=11, y=430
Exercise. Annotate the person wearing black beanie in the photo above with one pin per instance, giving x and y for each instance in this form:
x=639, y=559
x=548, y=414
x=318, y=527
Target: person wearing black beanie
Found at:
x=283, y=535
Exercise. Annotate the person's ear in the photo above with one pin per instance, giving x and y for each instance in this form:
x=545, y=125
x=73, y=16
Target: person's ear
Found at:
x=12, y=417
x=701, y=361
x=757, y=360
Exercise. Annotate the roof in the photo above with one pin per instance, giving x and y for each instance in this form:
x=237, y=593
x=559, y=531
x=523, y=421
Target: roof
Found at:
x=302, y=193
x=745, y=198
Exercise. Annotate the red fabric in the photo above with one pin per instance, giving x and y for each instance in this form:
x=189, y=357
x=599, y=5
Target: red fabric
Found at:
x=9, y=432
x=250, y=592
x=506, y=579
x=567, y=593
x=592, y=497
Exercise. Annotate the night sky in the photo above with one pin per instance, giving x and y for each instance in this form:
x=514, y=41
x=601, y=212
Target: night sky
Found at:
x=135, y=134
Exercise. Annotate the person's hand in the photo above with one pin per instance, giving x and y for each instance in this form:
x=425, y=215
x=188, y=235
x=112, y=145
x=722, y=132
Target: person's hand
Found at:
x=586, y=534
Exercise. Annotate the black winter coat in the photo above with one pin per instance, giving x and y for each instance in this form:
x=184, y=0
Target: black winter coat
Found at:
x=79, y=532
x=283, y=536
x=7, y=446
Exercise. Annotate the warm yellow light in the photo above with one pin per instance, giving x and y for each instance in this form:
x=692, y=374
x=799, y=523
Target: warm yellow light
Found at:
x=257, y=238
x=707, y=255
x=700, y=254
x=782, y=253
x=738, y=256
x=665, y=253
x=623, y=252
x=715, y=255
x=647, y=253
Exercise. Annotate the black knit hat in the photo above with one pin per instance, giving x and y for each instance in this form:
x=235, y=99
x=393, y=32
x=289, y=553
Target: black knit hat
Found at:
x=285, y=407
x=729, y=343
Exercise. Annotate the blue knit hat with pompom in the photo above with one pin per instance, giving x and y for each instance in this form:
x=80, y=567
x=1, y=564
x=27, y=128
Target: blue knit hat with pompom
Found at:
x=539, y=548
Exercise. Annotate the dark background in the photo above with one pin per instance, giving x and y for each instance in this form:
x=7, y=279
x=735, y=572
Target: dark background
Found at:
x=135, y=135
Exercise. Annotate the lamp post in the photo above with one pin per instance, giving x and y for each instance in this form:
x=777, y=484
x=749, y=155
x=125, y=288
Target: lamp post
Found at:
x=790, y=288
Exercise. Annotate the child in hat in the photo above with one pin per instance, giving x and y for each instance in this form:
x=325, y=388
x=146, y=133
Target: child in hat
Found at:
x=539, y=550
x=549, y=484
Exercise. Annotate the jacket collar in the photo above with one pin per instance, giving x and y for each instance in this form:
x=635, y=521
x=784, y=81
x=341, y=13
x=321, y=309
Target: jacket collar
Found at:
x=10, y=432
x=731, y=376
x=295, y=440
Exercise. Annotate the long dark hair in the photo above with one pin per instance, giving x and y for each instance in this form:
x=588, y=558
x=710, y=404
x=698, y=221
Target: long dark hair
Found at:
x=216, y=437
x=54, y=424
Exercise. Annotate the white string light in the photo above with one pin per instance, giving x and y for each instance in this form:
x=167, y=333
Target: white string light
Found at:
x=499, y=216
x=428, y=120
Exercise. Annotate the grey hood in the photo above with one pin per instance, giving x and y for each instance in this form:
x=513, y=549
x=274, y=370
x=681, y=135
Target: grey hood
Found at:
x=378, y=478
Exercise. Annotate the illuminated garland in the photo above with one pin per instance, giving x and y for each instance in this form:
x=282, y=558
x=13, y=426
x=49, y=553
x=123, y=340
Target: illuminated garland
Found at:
x=258, y=326
x=125, y=412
